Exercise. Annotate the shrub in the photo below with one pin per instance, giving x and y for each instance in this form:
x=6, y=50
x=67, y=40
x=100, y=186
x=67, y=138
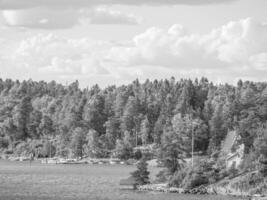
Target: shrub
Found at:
x=4, y=143
x=203, y=173
x=8, y=151
x=251, y=183
x=233, y=171
x=141, y=175
x=48, y=150
x=138, y=154
x=263, y=167
x=22, y=148
x=162, y=176
x=123, y=151
x=194, y=179
x=178, y=178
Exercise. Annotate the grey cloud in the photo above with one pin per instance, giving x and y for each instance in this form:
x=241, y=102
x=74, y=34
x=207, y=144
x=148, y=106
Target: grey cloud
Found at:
x=44, y=18
x=62, y=14
x=23, y=4
x=41, y=18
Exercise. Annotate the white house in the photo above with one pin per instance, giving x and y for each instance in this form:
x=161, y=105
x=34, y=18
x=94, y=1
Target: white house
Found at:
x=232, y=158
x=236, y=158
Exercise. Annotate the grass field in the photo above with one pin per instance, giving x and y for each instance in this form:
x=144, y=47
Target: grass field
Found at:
x=20, y=181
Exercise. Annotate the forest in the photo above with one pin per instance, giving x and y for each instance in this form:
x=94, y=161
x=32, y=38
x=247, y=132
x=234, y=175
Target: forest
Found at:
x=51, y=119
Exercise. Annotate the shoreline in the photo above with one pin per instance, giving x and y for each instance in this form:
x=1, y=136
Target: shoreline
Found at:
x=202, y=190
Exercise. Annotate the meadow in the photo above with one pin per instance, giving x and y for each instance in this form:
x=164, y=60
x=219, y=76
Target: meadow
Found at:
x=22, y=181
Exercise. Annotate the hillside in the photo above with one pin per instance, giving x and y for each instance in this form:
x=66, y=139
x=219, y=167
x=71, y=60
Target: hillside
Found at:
x=50, y=119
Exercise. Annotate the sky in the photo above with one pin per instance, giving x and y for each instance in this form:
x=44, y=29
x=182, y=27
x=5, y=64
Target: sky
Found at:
x=109, y=42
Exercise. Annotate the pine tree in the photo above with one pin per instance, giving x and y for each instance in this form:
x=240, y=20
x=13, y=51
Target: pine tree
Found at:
x=217, y=129
x=77, y=142
x=141, y=175
x=145, y=131
x=22, y=117
x=172, y=152
x=46, y=126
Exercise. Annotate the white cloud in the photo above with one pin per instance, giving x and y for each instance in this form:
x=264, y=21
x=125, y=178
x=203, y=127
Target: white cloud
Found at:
x=46, y=18
x=235, y=50
x=102, y=15
x=235, y=44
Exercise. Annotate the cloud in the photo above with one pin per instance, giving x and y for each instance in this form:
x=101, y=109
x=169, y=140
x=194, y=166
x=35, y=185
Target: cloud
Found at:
x=41, y=18
x=233, y=43
x=102, y=15
x=23, y=4
x=44, y=18
x=236, y=49
x=60, y=14
x=225, y=54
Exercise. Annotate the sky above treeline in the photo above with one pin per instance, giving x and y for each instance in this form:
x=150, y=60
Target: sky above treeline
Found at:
x=116, y=41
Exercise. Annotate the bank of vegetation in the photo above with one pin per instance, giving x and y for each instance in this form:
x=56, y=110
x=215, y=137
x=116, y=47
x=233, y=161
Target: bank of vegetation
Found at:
x=159, y=117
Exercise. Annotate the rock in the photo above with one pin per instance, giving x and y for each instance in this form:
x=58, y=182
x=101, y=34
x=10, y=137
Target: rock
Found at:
x=198, y=190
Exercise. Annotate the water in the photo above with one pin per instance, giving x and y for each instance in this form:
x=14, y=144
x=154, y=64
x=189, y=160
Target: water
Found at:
x=20, y=181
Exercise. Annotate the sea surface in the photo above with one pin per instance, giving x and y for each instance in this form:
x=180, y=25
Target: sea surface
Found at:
x=22, y=181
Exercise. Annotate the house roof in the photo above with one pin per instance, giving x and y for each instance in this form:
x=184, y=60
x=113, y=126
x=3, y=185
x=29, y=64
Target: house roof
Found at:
x=229, y=142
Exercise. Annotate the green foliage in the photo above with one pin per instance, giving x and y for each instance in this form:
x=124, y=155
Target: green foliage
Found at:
x=171, y=152
x=233, y=171
x=218, y=130
x=251, y=183
x=123, y=150
x=141, y=175
x=263, y=167
x=48, y=150
x=202, y=174
x=186, y=128
x=138, y=154
x=4, y=142
x=77, y=142
x=22, y=118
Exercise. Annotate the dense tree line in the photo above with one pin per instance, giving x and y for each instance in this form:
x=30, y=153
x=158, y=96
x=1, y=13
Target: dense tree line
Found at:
x=50, y=118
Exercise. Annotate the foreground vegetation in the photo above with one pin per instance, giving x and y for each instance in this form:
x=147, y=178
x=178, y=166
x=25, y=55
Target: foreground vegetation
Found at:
x=49, y=119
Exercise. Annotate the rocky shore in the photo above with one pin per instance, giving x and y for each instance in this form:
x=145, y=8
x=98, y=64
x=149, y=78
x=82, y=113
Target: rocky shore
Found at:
x=202, y=190
x=164, y=188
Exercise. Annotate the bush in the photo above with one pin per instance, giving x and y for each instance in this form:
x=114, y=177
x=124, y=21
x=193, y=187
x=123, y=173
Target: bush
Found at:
x=178, y=178
x=8, y=151
x=194, y=179
x=123, y=151
x=22, y=148
x=141, y=175
x=233, y=172
x=189, y=178
x=162, y=176
x=223, y=173
x=4, y=143
x=48, y=150
x=252, y=183
x=138, y=154
x=263, y=167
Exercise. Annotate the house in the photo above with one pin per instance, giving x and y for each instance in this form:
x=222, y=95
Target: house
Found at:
x=236, y=158
x=233, y=157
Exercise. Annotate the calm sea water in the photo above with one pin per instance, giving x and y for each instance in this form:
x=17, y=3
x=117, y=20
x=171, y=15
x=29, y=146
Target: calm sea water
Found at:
x=20, y=181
